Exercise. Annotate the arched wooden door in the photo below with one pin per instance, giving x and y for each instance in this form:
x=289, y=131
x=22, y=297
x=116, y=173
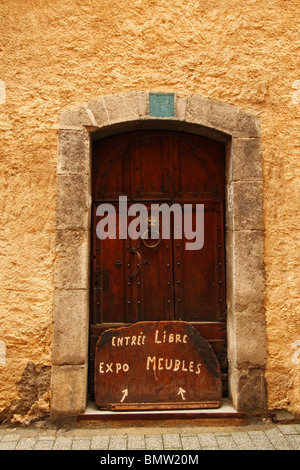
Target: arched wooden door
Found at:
x=159, y=279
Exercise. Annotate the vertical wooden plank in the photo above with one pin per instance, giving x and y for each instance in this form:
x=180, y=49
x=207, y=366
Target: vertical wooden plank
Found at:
x=151, y=167
x=157, y=277
x=109, y=266
x=111, y=173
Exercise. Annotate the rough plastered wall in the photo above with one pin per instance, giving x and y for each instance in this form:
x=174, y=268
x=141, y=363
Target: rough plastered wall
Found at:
x=55, y=54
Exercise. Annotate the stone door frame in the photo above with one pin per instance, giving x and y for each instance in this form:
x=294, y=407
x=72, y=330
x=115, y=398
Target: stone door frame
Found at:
x=246, y=329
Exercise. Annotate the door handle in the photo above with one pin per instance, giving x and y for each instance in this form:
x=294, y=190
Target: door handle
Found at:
x=133, y=276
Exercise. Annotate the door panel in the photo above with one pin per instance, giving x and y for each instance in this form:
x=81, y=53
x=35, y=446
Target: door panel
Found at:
x=199, y=274
x=132, y=279
x=152, y=168
x=109, y=257
x=157, y=282
x=112, y=171
x=198, y=168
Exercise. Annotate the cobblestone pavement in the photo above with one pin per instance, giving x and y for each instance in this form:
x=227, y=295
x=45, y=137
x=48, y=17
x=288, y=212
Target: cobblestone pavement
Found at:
x=261, y=436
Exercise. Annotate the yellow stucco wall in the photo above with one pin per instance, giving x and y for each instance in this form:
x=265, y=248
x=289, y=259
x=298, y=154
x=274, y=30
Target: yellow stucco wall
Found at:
x=55, y=54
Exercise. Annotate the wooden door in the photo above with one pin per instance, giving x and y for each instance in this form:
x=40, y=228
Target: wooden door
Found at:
x=159, y=279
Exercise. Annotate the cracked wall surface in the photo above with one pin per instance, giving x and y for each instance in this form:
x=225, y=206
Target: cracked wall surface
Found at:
x=61, y=54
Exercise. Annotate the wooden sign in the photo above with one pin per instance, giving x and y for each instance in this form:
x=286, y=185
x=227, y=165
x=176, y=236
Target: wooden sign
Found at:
x=156, y=365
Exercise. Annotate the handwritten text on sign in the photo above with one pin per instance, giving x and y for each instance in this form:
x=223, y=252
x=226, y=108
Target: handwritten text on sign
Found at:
x=156, y=365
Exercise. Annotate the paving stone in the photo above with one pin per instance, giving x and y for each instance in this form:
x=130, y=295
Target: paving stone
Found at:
x=46, y=438
x=294, y=441
x=44, y=444
x=226, y=442
x=10, y=437
x=172, y=441
x=8, y=445
x=260, y=440
x=190, y=442
x=154, y=442
x=118, y=443
x=62, y=443
x=100, y=443
x=243, y=441
x=278, y=439
x=208, y=441
x=136, y=442
x=81, y=444
x=287, y=429
x=26, y=443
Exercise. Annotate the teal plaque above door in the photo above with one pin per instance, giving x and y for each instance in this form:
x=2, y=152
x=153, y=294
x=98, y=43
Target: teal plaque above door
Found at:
x=161, y=105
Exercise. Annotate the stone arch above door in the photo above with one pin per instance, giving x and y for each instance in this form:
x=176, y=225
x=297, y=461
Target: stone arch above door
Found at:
x=122, y=112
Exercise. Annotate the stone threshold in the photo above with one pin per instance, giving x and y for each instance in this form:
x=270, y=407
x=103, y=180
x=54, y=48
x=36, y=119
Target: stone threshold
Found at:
x=225, y=413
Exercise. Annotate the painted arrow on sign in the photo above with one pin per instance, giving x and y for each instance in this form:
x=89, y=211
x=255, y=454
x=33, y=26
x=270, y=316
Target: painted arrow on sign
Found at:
x=181, y=392
x=125, y=394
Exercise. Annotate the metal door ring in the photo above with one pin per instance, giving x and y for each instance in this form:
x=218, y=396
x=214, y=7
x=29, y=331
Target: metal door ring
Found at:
x=149, y=245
